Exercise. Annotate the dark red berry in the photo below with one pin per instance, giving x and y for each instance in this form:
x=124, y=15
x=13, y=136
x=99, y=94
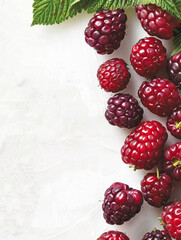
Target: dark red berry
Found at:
x=172, y=161
x=171, y=217
x=123, y=110
x=174, y=123
x=160, y=96
x=156, y=21
x=156, y=188
x=121, y=203
x=106, y=30
x=148, y=56
x=113, y=75
x=113, y=235
x=174, y=69
x=144, y=146
x=157, y=235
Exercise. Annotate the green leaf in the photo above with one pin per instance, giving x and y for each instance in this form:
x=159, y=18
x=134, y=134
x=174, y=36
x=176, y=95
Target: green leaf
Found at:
x=167, y=5
x=53, y=11
x=177, y=40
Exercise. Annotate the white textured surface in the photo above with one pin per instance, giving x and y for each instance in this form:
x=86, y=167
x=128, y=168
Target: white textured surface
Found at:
x=57, y=152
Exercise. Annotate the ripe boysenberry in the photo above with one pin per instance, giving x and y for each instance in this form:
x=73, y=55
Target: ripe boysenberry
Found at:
x=123, y=110
x=144, y=146
x=148, y=56
x=106, y=30
x=121, y=203
x=156, y=21
x=113, y=75
x=174, y=69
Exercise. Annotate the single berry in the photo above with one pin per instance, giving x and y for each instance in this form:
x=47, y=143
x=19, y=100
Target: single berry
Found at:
x=157, y=235
x=174, y=123
x=106, y=30
x=156, y=21
x=156, y=188
x=148, y=56
x=121, y=203
x=113, y=75
x=144, y=146
x=160, y=96
x=123, y=110
x=171, y=217
x=113, y=235
x=172, y=161
x=174, y=69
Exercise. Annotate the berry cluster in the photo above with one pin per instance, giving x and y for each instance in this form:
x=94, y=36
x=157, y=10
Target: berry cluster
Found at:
x=144, y=146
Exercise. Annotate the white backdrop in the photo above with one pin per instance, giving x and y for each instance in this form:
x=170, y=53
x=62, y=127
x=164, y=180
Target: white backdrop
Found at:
x=58, y=154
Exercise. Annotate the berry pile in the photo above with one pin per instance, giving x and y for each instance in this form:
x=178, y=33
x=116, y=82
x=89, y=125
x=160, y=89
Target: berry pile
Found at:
x=144, y=146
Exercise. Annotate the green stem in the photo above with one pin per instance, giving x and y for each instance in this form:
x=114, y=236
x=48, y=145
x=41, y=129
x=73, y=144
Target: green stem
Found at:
x=157, y=173
x=176, y=163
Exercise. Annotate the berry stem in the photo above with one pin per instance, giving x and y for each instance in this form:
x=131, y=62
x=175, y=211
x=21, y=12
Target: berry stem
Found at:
x=176, y=163
x=154, y=229
x=161, y=221
x=178, y=124
x=157, y=173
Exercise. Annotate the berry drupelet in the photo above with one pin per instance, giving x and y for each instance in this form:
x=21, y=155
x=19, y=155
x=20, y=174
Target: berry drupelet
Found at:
x=156, y=188
x=121, y=203
x=174, y=123
x=160, y=96
x=106, y=30
x=113, y=75
x=148, y=56
x=123, y=110
x=174, y=69
x=156, y=21
x=144, y=146
x=172, y=161
x=171, y=218
x=113, y=235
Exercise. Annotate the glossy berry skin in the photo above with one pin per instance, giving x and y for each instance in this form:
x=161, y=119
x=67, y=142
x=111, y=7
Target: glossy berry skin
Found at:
x=171, y=216
x=174, y=69
x=144, y=146
x=156, y=191
x=156, y=21
x=148, y=56
x=113, y=75
x=121, y=203
x=113, y=235
x=157, y=235
x=174, y=123
x=106, y=30
x=172, y=161
x=160, y=96
x=123, y=110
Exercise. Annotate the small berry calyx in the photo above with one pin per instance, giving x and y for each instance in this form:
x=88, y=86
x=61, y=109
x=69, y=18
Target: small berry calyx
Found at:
x=174, y=69
x=156, y=188
x=106, y=30
x=172, y=161
x=156, y=21
x=113, y=75
x=144, y=146
x=171, y=217
x=123, y=110
x=157, y=235
x=148, y=56
x=174, y=123
x=160, y=96
x=121, y=203
x=113, y=235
